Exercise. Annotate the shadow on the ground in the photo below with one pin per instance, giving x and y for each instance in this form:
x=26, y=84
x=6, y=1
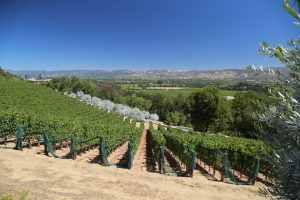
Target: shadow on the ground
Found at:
x=173, y=164
x=205, y=173
x=151, y=166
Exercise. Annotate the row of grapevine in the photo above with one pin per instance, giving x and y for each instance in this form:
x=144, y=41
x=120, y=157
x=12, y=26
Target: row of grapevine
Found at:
x=159, y=140
x=209, y=147
x=183, y=151
x=156, y=142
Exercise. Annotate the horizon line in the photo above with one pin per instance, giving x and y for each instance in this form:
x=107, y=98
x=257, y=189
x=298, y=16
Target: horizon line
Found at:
x=134, y=70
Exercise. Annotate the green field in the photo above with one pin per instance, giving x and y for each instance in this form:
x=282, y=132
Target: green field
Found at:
x=185, y=92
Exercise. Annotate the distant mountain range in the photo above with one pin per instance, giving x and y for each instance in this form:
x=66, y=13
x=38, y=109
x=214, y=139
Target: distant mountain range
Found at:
x=227, y=74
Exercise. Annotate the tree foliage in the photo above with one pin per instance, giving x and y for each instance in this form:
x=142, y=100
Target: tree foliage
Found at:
x=224, y=117
x=72, y=84
x=284, y=119
x=134, y=101
x=207, y=108
x=175, y=118
x=203, y=108
x=246, y=108
x=162, y=105
x=108, y=90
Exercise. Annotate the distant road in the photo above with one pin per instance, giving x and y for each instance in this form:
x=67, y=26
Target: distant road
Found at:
x=165, y=88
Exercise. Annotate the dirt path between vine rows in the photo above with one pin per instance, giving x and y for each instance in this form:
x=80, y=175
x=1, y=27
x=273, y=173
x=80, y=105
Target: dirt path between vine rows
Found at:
x=118, y=155
x=139, y=161
x=49, y=178
x=90, y=156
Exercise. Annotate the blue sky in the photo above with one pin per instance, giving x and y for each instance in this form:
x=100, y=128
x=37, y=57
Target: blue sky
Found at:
x=140, y=34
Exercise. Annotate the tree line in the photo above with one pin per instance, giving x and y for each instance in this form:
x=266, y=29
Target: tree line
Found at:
x=204, y=110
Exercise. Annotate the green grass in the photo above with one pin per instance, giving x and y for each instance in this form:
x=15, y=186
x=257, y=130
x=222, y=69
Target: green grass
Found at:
x=23, y=195
x=129, y=86
x=185, y=92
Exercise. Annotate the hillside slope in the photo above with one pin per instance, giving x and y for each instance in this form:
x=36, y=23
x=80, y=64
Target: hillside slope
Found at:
x=38, y=107
x=7, y=75
x=226, y=74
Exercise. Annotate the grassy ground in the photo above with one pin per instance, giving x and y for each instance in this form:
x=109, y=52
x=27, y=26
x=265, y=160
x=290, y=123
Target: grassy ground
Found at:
x=129, y=86
x=184, y=92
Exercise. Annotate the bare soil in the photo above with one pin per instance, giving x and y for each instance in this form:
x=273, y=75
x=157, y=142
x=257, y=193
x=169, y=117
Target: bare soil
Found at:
x=117, y=157
x=46, y=177
x=91, y=156
x=140, y=158
x=50, y=178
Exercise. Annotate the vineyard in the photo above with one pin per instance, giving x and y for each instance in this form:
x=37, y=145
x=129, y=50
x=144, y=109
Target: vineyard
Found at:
x=231, y=156
x=40, y=108
x=68, y=128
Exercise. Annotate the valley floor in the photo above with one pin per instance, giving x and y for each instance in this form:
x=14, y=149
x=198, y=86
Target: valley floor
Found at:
x=56, y=179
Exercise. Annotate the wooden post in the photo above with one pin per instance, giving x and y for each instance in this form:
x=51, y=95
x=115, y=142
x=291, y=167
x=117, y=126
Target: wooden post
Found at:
x=159, y=167
x=46, y=151
x=21, y=145
x=214, y=167
x=73, y=147
x=74, y=156
x=29, y=144
x=222, y=174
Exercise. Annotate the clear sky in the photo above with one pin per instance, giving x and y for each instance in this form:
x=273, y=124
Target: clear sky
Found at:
x=140, y=34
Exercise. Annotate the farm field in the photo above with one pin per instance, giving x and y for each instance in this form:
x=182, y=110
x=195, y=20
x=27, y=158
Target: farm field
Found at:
x=185, y=91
